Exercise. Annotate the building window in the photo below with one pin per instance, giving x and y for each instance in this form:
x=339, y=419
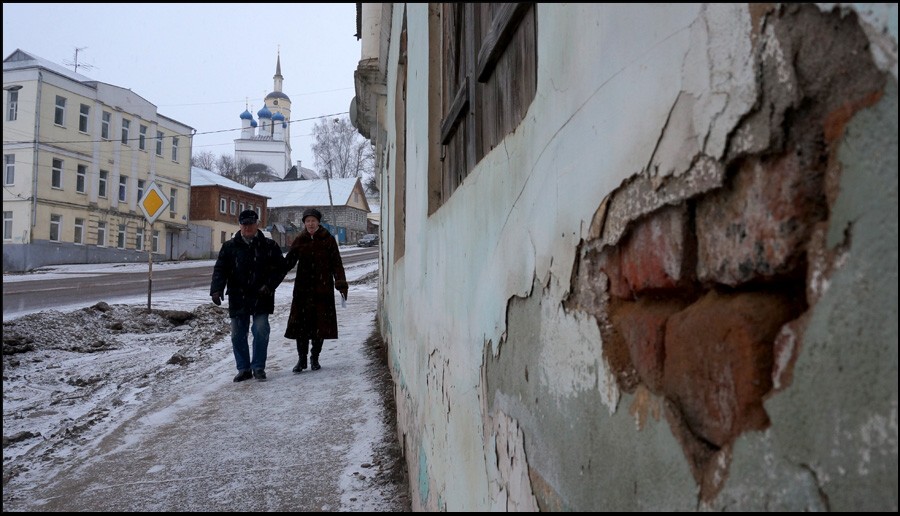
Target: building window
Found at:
x=175, y=149
x=142, y=137
x=104, y=125
x=7, y=225
x=173, y=199
x=59, y=117
x=140, y=189
x=9, y=167
x=120, y=241
x=223, y=205
x=123, y=188
x=126, y=126
x=477, y=110
x=139, y=239
x=101, y=234
x=12, y=105
x=155, y=242
x=84, y=118
x=242, y=207
x=104, y=176
x=258, y=213
x=159, y=141
x=80, y=178
x=55, y=221
x=56, y=173
x=79, y=231
x=234, y=207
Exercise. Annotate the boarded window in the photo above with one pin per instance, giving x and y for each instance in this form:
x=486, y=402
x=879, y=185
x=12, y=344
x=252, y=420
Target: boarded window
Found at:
x=488, y=81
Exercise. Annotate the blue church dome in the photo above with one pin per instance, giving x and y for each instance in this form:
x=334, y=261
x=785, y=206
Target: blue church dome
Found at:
x=264, y=113
x=253, y=123
x=246, y=115
x=277, y=116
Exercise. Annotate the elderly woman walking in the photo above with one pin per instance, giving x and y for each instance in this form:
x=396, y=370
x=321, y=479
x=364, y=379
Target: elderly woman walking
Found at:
x=320, y=271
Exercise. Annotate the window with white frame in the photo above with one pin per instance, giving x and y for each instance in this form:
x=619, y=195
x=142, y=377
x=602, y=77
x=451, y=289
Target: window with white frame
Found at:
x=7, y=225
x=173, y=199
x=159, y=142
x=59, y=116
x=84, y=118
x=56, y=173
x=154, y=247
x=234, y=207
x=12, y=105
x=101, y=234
x=126, y=126
x=79, y=231
x=104, y=177
x=55, y=221
x=142, y=137
x=140, y=189
x=123, y=188
x=174, y=149
x=139, y=239
x=80, y=178
x=106, y=119
x=258, y=213
x=120, y=241
x=223, y=205
x=9, y=169
x=242, y=207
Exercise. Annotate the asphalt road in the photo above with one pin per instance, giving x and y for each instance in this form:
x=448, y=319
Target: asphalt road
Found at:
x=103, y=286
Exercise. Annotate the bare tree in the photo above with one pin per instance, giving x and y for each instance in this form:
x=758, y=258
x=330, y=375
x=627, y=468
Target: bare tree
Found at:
x=205, y=160
x=340, y=150
x=227, y=167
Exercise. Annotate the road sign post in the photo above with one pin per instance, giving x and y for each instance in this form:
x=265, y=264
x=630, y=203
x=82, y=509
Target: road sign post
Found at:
x=153, y=204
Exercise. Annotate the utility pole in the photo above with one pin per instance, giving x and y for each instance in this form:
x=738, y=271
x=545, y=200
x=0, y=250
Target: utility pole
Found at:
x=330, y=201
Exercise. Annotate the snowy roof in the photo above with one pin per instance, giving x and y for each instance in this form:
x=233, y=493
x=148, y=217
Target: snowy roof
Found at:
x=21, y=59
x=310, y=192
x=203, y=177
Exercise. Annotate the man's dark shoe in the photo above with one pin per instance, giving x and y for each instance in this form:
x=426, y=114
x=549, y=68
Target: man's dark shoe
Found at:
x=259, y=374
x=301, y=365
x=243, y=375
x=315, y=364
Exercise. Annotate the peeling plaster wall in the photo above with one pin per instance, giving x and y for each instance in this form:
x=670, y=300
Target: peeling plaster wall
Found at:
x=507, y=396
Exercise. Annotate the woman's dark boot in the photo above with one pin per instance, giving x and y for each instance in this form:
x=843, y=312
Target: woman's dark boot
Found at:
x=302, y=350
x=314, y=356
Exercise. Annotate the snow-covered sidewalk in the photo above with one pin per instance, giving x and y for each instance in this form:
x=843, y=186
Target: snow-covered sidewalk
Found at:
x=142, y=414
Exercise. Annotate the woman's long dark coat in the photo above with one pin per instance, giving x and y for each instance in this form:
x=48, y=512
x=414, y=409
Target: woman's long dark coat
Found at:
x=320, y=272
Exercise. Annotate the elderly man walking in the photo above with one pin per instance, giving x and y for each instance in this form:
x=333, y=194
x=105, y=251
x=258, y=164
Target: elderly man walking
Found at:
x=251, y=266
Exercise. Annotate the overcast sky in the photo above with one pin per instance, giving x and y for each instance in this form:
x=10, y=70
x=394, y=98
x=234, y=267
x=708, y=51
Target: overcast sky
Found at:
x=201, y=64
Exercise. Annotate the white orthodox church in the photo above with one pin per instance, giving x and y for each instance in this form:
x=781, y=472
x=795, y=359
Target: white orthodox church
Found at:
x=268, y=142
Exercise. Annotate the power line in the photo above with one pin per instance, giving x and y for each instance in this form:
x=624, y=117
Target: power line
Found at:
x=153, y=138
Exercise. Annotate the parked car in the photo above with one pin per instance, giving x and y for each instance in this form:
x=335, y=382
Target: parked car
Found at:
x=368, y=240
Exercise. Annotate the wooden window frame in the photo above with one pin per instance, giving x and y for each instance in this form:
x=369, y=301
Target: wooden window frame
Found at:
x=488, y=80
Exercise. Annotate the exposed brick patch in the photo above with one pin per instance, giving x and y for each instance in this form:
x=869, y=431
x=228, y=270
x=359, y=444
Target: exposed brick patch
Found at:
x=718, y=361
x=755, y=229
x=654, y=256
x=642, y=326
x=701, y=282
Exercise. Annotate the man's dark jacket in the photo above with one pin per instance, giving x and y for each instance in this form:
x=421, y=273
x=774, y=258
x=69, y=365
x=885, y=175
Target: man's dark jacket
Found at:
x=245, y=269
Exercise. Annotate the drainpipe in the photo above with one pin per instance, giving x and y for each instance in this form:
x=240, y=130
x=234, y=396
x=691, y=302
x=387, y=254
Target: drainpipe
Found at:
x=37, y=132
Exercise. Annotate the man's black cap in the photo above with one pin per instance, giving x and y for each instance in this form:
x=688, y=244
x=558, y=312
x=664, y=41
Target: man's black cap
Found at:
x=248, y=217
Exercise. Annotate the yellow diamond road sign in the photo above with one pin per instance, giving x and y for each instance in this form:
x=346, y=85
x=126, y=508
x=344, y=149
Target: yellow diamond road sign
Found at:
x=153, y=203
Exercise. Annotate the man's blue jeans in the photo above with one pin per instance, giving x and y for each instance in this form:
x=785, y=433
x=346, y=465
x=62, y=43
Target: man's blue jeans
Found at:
x=240, y=325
